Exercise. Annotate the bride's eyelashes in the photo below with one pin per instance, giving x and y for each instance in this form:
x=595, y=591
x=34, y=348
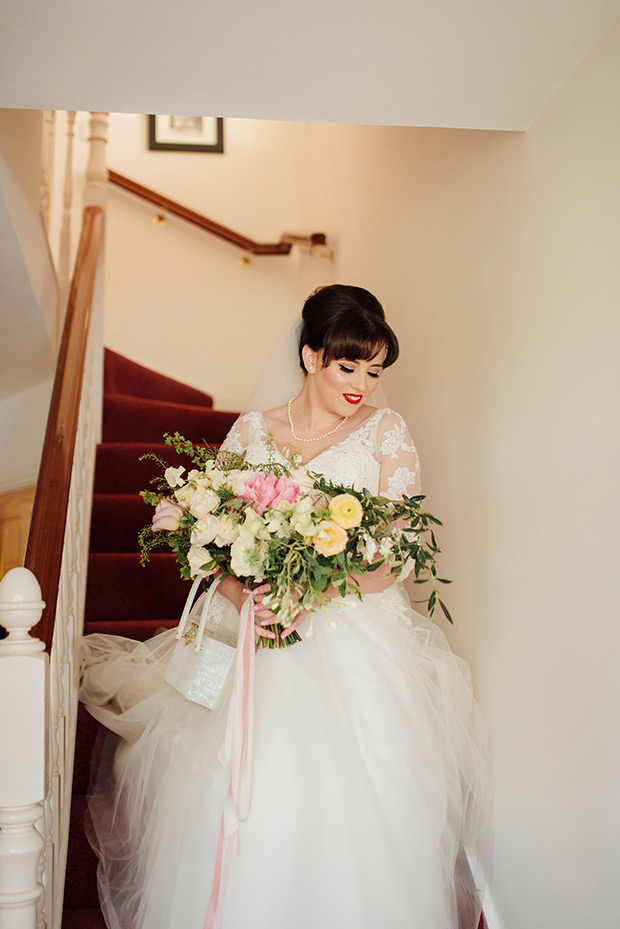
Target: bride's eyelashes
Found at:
x=350, y=371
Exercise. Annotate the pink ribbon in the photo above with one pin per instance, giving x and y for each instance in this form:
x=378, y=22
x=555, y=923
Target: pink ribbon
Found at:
x=238, y=748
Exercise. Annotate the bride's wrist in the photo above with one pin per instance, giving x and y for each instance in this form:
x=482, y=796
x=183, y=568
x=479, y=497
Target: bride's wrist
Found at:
x=233, y=590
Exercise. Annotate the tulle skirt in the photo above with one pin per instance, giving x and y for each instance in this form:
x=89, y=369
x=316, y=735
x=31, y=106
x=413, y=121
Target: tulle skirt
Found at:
x=370, y=793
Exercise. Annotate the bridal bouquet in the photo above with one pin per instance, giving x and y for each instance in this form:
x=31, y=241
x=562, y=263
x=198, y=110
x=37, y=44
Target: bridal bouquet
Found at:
x=309, y=538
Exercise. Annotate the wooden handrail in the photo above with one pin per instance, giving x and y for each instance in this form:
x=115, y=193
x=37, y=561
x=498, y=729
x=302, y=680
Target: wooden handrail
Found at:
x=49, y=515
x=283, y=247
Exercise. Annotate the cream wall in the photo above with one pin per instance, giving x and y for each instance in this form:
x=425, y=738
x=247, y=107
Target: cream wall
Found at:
x=178, y=299
x=23, y=417
x=496, y=257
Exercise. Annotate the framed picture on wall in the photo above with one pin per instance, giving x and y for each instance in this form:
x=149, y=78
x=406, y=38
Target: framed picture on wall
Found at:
x=186, y=134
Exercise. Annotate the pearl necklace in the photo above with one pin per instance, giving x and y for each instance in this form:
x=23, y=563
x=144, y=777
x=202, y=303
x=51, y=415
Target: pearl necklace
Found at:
x=316, y=438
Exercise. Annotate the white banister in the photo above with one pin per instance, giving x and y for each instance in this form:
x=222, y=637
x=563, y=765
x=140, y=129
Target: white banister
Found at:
x=38, y=691
x=64, y=249
x=95, y=191
x=47, y=163
x=23, y=737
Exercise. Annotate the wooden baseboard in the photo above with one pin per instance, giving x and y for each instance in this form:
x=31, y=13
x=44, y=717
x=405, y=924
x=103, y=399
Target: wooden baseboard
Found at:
x=15, y=513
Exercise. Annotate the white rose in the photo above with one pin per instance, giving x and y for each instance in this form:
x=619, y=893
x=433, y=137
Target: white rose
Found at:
x=199, y=559
x=205, y=530
x=173, y=476
x=227, y=533
x=204, y=501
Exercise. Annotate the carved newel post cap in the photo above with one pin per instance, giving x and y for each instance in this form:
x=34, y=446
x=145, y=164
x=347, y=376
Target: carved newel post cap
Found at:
x=20, y=603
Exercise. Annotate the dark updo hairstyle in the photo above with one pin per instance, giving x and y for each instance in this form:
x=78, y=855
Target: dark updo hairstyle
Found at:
x=346, y=322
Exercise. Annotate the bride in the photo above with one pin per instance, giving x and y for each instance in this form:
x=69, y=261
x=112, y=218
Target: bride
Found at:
x=369, y=789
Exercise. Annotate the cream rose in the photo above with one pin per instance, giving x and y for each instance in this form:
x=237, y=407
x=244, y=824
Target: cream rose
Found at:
x=227, y=532
x=203, y=501
x=205, y=530
x=346, y=510
x=199, y=561
x=330, y=538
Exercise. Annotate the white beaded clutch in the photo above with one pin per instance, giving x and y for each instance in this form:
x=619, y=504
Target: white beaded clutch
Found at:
x=205, y=648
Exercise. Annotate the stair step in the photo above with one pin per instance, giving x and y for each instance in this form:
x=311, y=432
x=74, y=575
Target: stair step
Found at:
x=81, y=888
x=118, y=469
x=123, y=376
x=134, y=419
x=139, y=629
x=91, y=918
x=122, y=598
x=116, y=521
x=86, y=735
x=119, y=588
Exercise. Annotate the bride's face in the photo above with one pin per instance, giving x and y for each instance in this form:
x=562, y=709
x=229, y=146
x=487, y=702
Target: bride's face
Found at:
x=344, y=385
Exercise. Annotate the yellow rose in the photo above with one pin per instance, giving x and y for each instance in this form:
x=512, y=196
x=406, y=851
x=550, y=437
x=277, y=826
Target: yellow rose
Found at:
x=346, y=510
x=330, y=538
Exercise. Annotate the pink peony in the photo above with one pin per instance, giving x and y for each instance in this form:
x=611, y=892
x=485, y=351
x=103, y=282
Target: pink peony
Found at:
x=167, y=515
x=269, y=490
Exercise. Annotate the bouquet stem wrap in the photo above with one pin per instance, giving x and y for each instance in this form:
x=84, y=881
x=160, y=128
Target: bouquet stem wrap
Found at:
x=237, y=756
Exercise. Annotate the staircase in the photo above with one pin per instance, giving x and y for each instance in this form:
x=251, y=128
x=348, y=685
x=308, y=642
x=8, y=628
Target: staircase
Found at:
x=123, y=598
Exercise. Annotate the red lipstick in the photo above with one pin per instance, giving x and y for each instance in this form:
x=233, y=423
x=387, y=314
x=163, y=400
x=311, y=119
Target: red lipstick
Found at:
x=352, y=398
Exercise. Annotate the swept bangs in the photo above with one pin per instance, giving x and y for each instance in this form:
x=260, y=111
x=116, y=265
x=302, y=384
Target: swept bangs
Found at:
x=360, y=341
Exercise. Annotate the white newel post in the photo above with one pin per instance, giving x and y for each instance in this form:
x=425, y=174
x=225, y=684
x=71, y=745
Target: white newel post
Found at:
x=23, y=736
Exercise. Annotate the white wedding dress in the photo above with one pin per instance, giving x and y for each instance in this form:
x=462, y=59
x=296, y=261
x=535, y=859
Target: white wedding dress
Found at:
x=369, y=782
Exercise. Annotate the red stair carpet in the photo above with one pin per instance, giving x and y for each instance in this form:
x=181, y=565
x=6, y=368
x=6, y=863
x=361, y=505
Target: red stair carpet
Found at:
x=121, y=597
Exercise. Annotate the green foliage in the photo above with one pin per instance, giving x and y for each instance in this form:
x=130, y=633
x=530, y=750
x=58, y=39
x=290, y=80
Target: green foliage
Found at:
x=399, y=532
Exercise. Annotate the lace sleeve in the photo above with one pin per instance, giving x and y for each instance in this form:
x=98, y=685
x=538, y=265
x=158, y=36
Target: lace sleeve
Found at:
x=238, y=437
x=400, y=466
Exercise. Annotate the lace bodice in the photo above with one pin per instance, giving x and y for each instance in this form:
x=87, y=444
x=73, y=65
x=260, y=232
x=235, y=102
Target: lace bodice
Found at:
x=378, y=456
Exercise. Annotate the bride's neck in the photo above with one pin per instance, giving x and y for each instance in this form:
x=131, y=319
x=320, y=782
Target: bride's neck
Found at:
x=310, y=412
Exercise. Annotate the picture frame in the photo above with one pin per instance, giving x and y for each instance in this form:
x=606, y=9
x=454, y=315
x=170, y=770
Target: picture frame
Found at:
x=186, y=134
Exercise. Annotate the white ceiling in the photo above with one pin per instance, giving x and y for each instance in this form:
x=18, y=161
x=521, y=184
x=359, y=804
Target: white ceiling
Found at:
x=487, y=64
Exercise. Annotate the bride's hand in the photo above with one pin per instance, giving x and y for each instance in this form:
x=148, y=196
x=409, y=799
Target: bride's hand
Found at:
x=269, y=618
x=263, y=615
x=296, y=622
